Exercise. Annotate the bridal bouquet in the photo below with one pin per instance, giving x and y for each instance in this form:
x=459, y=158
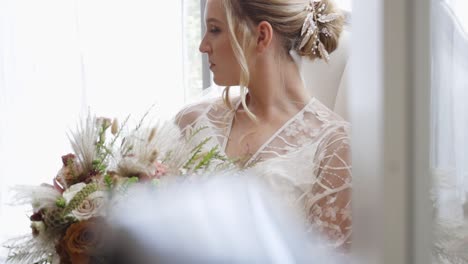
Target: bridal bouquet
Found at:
x=68, y=218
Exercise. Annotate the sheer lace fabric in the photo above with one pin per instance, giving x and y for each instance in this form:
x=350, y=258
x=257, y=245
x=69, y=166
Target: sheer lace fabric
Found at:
x=307, y=161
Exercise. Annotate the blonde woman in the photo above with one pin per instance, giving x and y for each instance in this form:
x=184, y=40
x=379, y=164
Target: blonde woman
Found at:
x=275, y=128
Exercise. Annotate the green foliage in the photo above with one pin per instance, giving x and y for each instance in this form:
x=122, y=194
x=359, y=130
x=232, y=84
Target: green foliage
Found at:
x=195, y=132
x=207, y=158
x=123, y=188
x=104, y=149
x=119, y=132
x=61, y=203
x=132, y=180
x=195, y=153
x=199, y=160
x=108, y=181
x=79, y=198
x=155, y=182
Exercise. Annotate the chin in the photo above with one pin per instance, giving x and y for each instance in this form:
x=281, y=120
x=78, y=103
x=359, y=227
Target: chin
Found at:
x=224, y=82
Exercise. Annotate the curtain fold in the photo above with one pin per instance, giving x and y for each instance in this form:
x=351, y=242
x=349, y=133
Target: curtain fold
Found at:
x=449, y=149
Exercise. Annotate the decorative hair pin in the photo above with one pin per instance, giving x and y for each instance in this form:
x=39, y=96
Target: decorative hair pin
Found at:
x=312, y=27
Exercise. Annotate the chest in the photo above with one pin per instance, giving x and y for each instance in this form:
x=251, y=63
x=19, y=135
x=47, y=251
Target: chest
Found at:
x=246, y=138
x=248, y=142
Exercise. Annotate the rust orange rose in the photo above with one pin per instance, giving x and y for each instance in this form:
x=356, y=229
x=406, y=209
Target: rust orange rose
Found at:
x=84, y=240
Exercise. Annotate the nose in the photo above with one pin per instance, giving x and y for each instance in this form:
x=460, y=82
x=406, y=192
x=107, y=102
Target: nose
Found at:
x=204, y=46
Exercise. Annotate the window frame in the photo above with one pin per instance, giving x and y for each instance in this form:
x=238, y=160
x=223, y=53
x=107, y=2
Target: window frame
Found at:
x=206, y=75
x=390, y=65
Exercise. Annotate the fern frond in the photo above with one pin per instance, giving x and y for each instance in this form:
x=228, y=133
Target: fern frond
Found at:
x=123, y=188
x=195, y=153
x=195, y=132
x=206, y=160
x=140, y=124
x=167, y=156
x=26, y=249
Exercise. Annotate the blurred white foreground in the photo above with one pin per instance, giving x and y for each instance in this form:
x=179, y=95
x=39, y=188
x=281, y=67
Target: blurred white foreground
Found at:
x=227, y=219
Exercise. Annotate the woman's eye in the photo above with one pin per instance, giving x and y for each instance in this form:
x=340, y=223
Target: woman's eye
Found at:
x=214, y=30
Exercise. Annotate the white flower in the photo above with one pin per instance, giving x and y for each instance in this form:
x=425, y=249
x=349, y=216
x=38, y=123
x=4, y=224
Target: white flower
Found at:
x=72, y=191
x=92, y=206
x=38, y=228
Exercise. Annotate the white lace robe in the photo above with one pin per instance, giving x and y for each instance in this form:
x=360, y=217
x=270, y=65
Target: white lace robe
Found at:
x=307, y=161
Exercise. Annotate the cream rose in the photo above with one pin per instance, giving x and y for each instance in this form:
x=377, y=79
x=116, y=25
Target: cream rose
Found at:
x=92, y=206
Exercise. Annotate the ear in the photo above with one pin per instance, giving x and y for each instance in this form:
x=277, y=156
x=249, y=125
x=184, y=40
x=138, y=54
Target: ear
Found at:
x=264, y=36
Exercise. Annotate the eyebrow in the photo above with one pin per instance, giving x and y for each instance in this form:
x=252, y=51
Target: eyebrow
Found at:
x=213, y=20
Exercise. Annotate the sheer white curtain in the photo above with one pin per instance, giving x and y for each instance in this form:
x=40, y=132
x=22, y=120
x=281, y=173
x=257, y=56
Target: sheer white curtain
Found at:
x=449, y=107
x=59, y=58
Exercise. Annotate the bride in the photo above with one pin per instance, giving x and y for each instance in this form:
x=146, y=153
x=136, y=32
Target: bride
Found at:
x=275, y=128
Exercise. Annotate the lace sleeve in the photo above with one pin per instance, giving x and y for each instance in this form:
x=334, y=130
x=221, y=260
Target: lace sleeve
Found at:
x=188, y=116
x=329, y=205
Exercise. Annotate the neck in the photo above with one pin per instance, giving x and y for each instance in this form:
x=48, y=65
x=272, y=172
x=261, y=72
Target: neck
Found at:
x=276, y=89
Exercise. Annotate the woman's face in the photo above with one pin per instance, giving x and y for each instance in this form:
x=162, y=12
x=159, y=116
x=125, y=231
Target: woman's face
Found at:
x=217, y=46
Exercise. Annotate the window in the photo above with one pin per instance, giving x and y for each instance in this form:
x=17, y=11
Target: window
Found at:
x=59, y=59
x=460, y=9
x=449, y=126
x=193, y=68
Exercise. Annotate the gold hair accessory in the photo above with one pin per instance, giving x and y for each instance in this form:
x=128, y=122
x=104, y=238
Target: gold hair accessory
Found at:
x=313, y=26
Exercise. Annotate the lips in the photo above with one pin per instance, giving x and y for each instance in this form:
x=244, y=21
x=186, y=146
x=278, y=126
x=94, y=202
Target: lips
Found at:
x=211, y=64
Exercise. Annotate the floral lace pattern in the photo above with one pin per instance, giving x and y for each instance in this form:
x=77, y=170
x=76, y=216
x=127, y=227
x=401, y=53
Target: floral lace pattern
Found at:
x=307, y=161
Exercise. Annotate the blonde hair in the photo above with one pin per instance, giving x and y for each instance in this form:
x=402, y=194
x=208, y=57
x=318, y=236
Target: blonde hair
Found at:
x=286, y=18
